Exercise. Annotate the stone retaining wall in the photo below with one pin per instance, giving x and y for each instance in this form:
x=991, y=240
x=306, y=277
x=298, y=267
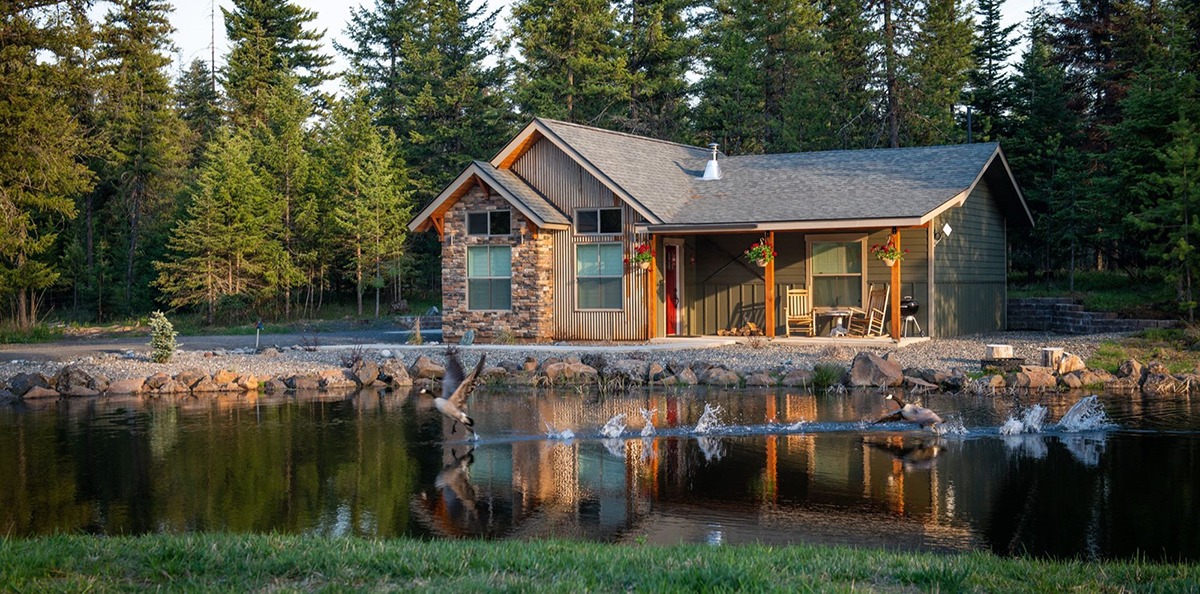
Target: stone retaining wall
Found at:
x=1061, y=314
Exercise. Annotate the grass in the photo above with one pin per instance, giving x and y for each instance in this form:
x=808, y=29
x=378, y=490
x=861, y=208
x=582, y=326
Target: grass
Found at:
x=38, y=333
x=1178, y=349
x=1103, y=291
x=288, y=563
x=827, y=374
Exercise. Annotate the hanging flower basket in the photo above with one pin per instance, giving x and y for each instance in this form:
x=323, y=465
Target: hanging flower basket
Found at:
x=642, y=255
x=888, y=253
x=761, y=253
x=645, y=265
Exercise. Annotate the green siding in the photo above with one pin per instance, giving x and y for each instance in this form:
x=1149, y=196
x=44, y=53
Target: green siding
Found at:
x=970, y=267
x=914, y=271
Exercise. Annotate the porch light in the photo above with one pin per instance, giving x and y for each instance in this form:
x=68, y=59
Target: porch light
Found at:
x=943, y=234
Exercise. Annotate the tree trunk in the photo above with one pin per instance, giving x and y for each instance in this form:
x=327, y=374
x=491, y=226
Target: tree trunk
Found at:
x=358, y=275
x=889, y=50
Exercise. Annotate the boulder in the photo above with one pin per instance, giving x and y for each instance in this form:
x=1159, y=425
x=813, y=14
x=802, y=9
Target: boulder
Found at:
x=656, y=373
x=157, y=380
x=425, y=368
x=270, y=352
x=629, y=371
x=1070, y=381
x=1132, y=368
x=759, y=380
x=596, y=361
x=274, y=385
x=547, y=362
x=206, y=385
x=324, y=373
x=510, y=366
x=224, y=376
x=344, y=381
x=394, y=373
x=530, y=365
x=687, y=377
x=1069, y=364
x=919, y=385
x=669, y=381
x=248, y=383
x=73, y=380
x=1037, y=369
x=38, y=392
x=1032, y=379
x=1156, y=368
x=1162, y=384
x=190, y=377
x=582, y=372
x=99, y=383
x=303, y=382
x=365, y=372
x=798, y=378
x=1093, y=377
x=718, y=376
x=173, y=386
x=871, y=370
x=23, y=382
x=1125, y=384
x=6, y=396
x=555, y=372
x=493, y=373
x=939, y=377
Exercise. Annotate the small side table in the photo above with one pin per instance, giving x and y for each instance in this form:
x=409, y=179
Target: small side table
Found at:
x=838, y=329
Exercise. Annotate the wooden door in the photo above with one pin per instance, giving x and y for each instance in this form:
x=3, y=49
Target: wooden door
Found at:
x=672, y=289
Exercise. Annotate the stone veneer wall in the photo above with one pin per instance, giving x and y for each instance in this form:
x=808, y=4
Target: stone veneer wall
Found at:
x=1061, y=314
x=531, y=317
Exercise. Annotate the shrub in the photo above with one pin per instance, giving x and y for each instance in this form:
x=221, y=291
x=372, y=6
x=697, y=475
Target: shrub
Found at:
x=414, y=337
x=162, y=338
x=827, y=374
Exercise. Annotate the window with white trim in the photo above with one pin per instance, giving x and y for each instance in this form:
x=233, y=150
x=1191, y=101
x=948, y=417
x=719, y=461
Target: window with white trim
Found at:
x=599, y=268
x=599, y=221
x=837, y=273
x=491, y=222
x=489, y=277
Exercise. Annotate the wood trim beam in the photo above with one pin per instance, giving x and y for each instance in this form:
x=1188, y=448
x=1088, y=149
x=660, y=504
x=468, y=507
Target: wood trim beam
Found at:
x=770, y=280
x=439, y=223
x=651, y=290
x=896, y=287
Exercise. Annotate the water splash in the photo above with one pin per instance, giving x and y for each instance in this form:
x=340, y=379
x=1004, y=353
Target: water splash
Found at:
x=615, y=446
x=648, y=450
x=709, y=421
x=797, y=426
x=1086, y=415
x=1028, y=446
x=614, y=427
x=953, y=426
x=1029, y=421
x=1087, y=450
x=648, y=428
x=565, y=434
x=711, y=447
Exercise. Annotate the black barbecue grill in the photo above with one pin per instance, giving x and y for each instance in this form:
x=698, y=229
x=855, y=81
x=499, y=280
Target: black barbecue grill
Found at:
x=909, y=308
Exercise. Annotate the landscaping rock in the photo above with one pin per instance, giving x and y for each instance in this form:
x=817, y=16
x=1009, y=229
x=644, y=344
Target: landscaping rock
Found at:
x=938, y=377
x=22, y=383
x=206, y=386
x=172, y=386
x=365, y=372
x=759, y=380
x=224, y=376
x=493, y=373
x=1125, y=384
x=656, y=373
x=530, y=365
x=1070, y=363
x=1032, y=379
x=394, y=373
x=548, y=362
x=270, y=353
x=303, y=382
x=629, y=371
x=1093, y=377
x=99, y=383
x=1156, y=368
x=191, y=377
x=345, y=381
x=274, y=385
x=73, y=380
x=1132, y=368
x=38, y=393
x=596, y=361
x=425, y=368
x=6, y=396
x=871, y=370
x=687, y=377
x=248, y=383
x=1070, y=380
x=718, y=376
x=157, y=380
x=798, y=378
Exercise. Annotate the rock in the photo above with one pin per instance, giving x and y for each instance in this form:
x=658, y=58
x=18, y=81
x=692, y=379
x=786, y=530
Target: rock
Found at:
x=1132, y=368
x=1031, y=380
x=510, y=366
x=172, y=386
x=530, y=365
x=759, y=380
x=629, y=371
x=248, y=383
x=157, y=380
x=656, y=373
x=1093, y=377
x=871, y=370
x=99, y=383
x=1070, y=380
x=190, y=377
x=1125, y=384
x=798, y=378
x=468, y=338
x=919, y=385
x=548, y=362
x=324, y=373
x=6, y=396
x=206, y=386
x=1069, y=364
x=1037, y=369
x=385, y=354
x=39, y=392
x=596, y=361
x=493, y=373
x=303, y=382
x=687, y=377
x=555, y=372
x=344, y=381
x=394, y=373
x=270, y=353
x=365, y=372
x=939, y=377
x=24, y=382
x=721, y=377
x=224, y=376
x=1157, y=368
x=1162, y=384
x=670, y=380
x=562, y=372
x=425, y=368
x=274, y=385
x=73, y=380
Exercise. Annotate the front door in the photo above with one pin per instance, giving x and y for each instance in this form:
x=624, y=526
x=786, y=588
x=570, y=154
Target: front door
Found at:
x=672, y=289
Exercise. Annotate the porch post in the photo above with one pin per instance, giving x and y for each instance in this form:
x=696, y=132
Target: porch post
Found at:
x=651, y=289
x=770, y=280
x=896, y=288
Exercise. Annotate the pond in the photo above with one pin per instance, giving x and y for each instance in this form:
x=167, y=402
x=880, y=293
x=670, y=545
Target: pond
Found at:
x=773, y=466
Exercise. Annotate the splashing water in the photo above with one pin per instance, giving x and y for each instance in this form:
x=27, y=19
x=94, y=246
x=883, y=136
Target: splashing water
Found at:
x=797, y=426
x=711, y=447
x=616, y=447
x=953, y=426
x=709, y=421
x=565, y=434
x=1086, y=415
x=648, y=428
x=614, y=427
x=1030, y=421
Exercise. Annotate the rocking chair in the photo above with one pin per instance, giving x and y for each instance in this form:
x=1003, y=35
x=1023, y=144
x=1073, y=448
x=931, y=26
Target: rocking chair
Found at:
x=870, y=322
x=799, y=312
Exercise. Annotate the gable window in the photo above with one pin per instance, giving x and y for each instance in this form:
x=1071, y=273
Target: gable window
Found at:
x=598, y=221
x=489, y=277
x=598, y=271
x=837, y=273
x=492, y=222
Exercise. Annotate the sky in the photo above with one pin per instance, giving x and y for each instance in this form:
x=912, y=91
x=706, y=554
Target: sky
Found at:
x=193, y=24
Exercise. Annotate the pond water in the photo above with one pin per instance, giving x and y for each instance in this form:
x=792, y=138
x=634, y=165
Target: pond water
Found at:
x=775, y=466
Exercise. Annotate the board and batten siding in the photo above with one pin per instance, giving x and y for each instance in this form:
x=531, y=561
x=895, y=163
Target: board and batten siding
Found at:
x=970, y=267
x=561, y=180
x=914, y=272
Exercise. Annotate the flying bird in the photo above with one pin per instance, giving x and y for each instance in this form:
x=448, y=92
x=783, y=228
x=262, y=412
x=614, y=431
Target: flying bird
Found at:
x=912, y=413
x=455, y=389
x=456, y=476
x=919, y=455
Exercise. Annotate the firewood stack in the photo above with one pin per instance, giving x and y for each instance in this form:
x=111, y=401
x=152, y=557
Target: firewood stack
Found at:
x=750, y=329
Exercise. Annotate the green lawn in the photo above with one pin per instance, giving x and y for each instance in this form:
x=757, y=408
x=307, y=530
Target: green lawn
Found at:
x=287, y=563
x=1103, y=291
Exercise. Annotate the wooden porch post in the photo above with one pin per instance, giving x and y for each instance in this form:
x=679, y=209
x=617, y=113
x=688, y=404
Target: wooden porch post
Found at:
x=896, y=288
x=651, y=286
x=770, y=280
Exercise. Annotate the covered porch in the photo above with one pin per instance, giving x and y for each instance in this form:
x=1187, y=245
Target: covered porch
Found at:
x=706, y=286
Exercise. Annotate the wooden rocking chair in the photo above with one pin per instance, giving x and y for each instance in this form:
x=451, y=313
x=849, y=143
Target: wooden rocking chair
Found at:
x=870, y=322
x=799, y=312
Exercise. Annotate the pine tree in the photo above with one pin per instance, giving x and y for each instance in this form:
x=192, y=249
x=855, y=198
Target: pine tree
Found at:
x=659, y=52
x=144, y=165
x=935, y=73
x=270, y=38
x=40, y=146
x=199, y=106
x=989, y=83
x=570, y=65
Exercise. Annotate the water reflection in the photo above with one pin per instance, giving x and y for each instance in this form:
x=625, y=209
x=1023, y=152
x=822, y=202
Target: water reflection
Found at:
x=380, y=464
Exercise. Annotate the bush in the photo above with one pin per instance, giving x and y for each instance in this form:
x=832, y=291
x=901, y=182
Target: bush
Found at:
x=414, y=336
x=827, y=374
x=162, y=338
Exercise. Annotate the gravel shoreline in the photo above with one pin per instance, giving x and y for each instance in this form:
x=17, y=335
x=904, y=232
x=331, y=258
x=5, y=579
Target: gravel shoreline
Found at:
x=943, y=353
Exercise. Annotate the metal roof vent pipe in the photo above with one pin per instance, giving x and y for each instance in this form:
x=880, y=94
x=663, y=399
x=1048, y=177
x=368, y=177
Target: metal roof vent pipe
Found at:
x=713, y=169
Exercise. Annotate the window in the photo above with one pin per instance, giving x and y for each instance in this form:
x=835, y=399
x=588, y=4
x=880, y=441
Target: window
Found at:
x=489, y=277
x=492, y=222
x=836, y=273
x=598, y=270
x=598, y=221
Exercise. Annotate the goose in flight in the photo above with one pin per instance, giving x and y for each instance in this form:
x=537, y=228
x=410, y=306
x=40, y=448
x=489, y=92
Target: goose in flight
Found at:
x=918, y=455
x=456, y=387
x=456, y=476
x=912, y=413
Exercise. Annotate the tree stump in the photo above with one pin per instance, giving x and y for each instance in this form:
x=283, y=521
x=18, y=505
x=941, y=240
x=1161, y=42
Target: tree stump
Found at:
x=998, y=351
x=1051, y=356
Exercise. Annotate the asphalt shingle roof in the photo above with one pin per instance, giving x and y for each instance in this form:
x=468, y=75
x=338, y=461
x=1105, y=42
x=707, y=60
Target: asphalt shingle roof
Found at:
x=525, y=193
